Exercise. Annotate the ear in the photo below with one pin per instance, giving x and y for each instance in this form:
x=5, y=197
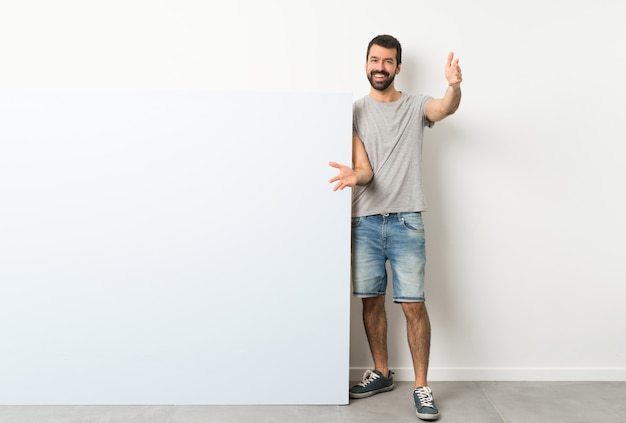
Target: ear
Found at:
x=398, y=68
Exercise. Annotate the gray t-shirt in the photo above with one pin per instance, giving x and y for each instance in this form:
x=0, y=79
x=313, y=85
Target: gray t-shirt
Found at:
x=392, y=134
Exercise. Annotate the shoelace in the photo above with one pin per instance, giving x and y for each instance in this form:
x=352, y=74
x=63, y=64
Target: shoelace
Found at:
x=425, y=395
x=368, y=377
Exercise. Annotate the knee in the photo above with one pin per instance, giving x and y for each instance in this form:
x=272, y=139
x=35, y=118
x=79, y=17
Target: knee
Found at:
x=373, y=303
x=415, y=310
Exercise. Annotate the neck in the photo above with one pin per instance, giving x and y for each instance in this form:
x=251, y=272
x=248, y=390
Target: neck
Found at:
x=387, y=96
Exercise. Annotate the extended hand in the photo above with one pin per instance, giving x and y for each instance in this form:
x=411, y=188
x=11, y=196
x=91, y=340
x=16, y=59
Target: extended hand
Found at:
x=345, y=178
x=453, y=71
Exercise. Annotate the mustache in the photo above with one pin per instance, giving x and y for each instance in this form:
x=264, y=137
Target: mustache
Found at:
x=385, y=73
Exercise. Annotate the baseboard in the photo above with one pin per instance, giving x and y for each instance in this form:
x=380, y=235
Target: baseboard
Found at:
x=507, y=374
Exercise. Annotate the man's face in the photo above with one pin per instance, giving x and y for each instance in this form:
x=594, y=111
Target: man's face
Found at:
x=381, y=67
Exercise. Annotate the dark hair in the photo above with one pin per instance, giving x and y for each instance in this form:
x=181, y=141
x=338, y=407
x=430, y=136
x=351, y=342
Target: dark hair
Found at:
x=386, y=41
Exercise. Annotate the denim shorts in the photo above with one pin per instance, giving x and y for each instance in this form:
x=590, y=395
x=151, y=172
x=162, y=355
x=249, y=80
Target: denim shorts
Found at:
x=394, y=237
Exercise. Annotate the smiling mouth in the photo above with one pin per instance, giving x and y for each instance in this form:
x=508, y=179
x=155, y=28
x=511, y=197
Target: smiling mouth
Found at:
x=379, y=76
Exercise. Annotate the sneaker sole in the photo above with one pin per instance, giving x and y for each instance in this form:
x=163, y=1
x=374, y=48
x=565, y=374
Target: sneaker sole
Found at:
x=427, y=416
x=370, y=393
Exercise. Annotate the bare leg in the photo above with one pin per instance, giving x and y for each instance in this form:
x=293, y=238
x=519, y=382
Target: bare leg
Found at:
x=375, y=322
x=418, y=332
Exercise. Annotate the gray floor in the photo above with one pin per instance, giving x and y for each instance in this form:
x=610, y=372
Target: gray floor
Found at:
x=484, y=402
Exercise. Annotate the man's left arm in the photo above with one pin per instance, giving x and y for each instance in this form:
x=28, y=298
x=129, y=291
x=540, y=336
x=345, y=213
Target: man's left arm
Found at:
x=440, y=108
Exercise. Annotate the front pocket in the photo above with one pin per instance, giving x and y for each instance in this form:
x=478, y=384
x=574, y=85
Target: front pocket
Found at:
x=412, y=222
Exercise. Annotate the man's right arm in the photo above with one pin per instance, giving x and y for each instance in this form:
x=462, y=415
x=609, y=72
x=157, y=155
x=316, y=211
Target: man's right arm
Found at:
x=361, y=162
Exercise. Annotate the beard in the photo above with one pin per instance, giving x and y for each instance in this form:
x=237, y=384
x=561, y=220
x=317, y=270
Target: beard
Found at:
x=382, y=85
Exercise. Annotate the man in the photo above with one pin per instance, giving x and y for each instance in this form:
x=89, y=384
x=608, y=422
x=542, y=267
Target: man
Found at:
x=387, y=201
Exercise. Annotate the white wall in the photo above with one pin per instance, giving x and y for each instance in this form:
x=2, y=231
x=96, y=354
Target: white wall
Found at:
x=524, y=228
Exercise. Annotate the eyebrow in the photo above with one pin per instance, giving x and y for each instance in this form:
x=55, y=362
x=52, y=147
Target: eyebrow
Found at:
x=386, y=58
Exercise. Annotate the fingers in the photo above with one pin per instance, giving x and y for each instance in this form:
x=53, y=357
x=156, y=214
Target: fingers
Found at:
x=336, y=165
x=336, y=178
x=450, y=57
x=340, y=186
x=451, y=62
x=453, y=70
x=456, y=81
x=457, y=71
